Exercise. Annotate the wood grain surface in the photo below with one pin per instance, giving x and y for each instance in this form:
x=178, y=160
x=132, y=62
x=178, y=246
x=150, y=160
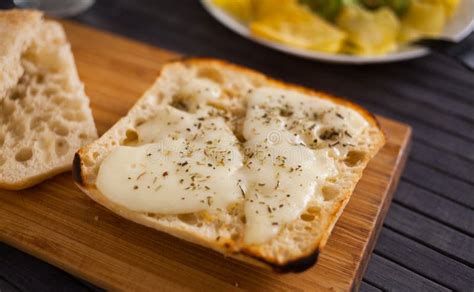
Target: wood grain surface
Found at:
x=57, y=223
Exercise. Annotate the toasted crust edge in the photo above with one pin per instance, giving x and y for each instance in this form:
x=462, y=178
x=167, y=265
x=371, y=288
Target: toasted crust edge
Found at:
x=296, y=265
x=76, y=169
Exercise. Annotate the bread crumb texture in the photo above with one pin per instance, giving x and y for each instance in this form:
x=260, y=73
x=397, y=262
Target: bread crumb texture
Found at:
x=45, y=117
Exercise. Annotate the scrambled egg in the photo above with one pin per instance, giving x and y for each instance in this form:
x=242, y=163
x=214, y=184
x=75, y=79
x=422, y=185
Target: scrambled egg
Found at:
x=343, y=26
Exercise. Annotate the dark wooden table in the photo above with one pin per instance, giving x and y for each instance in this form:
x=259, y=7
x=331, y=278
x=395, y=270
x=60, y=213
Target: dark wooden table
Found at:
x=427, y=239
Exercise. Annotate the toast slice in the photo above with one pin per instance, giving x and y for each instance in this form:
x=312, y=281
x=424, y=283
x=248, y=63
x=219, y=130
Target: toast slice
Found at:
x=295, y=243
x=44, y=111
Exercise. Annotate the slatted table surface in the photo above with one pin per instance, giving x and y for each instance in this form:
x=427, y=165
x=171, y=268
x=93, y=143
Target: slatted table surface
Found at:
x=427, y=239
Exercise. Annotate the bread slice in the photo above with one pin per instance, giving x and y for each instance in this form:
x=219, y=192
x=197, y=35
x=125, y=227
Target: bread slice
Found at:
x=44, y=112
x=296, y=246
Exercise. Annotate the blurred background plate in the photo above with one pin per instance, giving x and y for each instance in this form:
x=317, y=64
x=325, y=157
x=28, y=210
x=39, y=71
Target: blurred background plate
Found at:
x=457, y=28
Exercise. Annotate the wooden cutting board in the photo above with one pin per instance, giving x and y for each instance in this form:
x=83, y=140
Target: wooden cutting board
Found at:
x=57, y=223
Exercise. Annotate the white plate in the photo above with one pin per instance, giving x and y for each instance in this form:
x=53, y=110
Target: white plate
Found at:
x=460, y=25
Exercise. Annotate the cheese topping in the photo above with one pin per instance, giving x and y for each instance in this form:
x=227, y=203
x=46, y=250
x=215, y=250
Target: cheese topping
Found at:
x=191, y=161
x=281, y=171
x=186, y=164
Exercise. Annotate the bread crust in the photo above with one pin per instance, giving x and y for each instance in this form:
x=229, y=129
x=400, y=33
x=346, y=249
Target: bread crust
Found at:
x=32, y=181
x=251, y=254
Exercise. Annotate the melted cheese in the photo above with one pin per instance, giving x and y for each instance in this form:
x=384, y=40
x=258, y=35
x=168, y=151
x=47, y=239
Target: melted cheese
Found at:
x=191, y=161
x=199, y=92
x=281, y=172
x=186, y=165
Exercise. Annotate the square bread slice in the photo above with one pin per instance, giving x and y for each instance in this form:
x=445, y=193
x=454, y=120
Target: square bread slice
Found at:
x=294, y=245
x=44, y=111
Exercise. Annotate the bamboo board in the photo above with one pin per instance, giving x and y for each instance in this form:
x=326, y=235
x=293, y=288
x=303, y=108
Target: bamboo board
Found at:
x=57, y=223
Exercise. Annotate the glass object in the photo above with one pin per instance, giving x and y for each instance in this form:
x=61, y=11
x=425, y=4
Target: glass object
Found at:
x=58, y=8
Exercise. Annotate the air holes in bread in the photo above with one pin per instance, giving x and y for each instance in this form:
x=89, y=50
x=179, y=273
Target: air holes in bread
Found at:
x=329, y=193
x=2, y=139
x=131, y=137
x=179, y=103
x=354, y=158
x=58, y=100
x=211, y=74
x=74, y=116
x=62, y=147
x=16, y=95
x=24, y=154
x=59, y=128
x=83, y=136
x=40, y=78
x=313, y=210
x=139, y=122
x=298, y=239
x=307, y=217
x=73, y=104
x=50, y=91
x=2, y=160
x=17, y=129
x=188, y=218
x=35, y=122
